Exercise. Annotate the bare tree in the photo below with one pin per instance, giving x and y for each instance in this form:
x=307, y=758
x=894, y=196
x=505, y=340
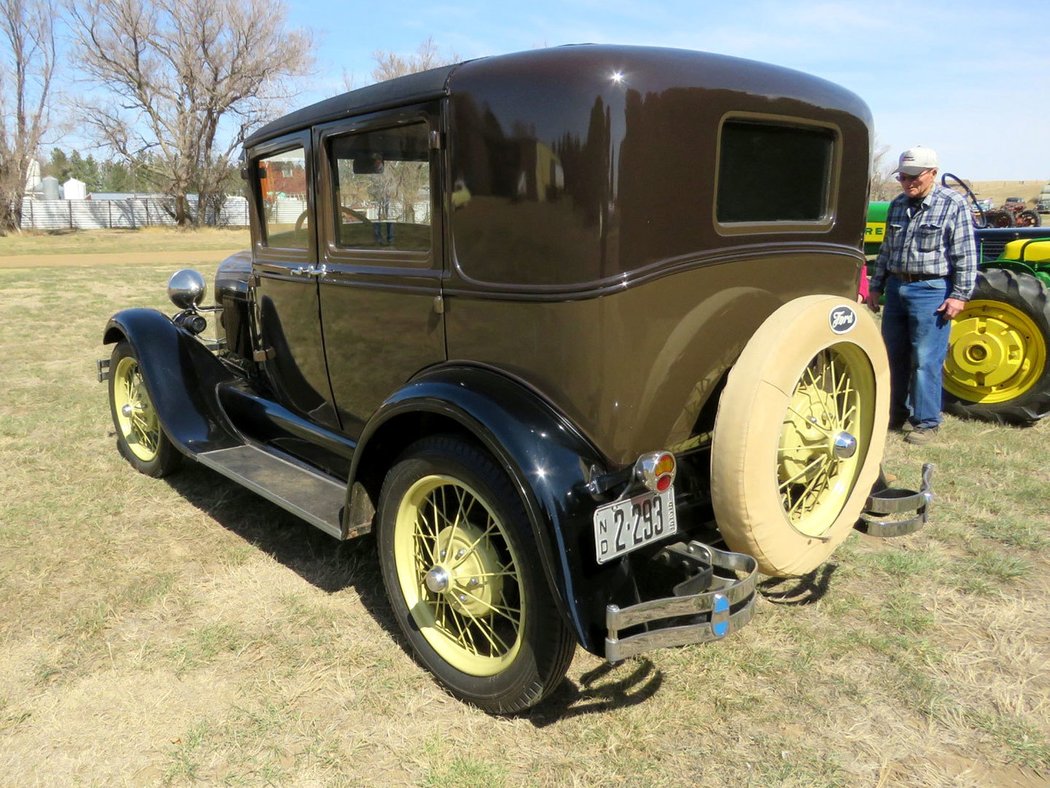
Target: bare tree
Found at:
x=390, y=64
x=883, y=184
x=28, y=34
x=188, y=80
x=403, y=181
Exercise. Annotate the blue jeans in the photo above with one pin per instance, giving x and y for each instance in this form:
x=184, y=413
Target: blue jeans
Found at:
x=916, y=337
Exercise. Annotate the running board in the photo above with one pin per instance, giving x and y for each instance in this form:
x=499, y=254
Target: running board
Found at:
x=316, y=498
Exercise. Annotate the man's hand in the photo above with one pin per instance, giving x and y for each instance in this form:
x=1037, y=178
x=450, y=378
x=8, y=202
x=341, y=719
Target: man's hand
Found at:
x=873, y=300
x=951, y=307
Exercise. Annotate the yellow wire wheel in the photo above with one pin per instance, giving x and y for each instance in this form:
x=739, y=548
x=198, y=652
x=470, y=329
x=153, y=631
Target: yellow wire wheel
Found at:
x=133, y=410
x=464, y=576
x=140, y=435
x=799, y=434
x=458, y=573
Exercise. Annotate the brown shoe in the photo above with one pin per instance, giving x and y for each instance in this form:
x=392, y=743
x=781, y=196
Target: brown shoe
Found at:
x=921, y=435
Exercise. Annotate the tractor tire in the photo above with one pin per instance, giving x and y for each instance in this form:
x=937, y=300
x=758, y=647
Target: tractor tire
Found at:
x=999, y=218
x=799, y=434
x=1028, y=218
x=997, y=367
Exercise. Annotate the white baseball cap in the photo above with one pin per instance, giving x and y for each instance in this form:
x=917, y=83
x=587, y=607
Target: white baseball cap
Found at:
x=916, y=160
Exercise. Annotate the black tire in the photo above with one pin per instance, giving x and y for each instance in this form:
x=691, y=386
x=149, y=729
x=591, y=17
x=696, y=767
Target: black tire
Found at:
x=799, y=434
x=1028, y=218
x=997, y=367
x=141, y=439
x=999, y=218
x=465, y=580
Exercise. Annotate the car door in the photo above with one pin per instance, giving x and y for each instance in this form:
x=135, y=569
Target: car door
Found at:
x=286, y=271
x=380, y=243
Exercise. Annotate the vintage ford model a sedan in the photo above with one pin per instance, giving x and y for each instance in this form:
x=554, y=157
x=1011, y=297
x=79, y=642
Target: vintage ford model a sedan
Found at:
x=573, y=331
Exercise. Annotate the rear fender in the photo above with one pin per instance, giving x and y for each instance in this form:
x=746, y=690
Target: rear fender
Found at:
x=547, y=459
x=181, y=376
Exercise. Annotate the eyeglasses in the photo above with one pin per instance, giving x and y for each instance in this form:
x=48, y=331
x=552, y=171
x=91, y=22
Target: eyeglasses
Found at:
x=904, y=177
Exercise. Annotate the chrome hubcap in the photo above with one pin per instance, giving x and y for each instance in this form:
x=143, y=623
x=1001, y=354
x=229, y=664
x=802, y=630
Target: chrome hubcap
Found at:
x=845, y=446
x=437, y=579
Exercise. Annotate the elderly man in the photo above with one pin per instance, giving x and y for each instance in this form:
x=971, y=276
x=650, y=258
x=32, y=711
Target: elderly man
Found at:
x=927, y=266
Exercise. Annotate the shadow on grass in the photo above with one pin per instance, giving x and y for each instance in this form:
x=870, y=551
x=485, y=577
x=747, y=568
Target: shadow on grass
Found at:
x=605, y=688
x=331, y=566
x=321, y=560
x=804, y=590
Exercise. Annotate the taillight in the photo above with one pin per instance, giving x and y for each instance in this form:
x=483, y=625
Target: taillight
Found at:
x=656, y=470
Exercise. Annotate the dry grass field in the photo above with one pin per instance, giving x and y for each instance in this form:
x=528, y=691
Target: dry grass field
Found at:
x=186, y=631
x=998, y=191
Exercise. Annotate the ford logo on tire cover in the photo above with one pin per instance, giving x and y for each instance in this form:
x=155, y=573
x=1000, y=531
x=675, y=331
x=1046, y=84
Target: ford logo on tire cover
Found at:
x=842, y=319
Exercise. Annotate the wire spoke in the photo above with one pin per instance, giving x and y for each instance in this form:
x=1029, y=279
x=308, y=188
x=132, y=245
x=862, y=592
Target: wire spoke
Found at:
x=800, y=474
x=809, y=492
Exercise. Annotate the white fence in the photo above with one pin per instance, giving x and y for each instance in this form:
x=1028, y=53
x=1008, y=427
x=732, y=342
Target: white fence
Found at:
x=129, y=213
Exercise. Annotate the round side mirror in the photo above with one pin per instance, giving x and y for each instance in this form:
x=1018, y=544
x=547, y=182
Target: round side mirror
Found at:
x=186, y=288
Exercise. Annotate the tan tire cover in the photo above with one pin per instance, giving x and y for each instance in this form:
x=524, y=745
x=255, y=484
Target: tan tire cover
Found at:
x=759, y=414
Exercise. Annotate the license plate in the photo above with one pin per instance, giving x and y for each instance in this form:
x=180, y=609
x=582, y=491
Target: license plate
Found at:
x=623, y=526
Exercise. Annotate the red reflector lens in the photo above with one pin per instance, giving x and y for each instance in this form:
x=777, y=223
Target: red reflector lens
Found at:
x=664, y=482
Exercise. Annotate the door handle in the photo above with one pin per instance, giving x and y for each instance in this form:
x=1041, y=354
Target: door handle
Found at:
x=309, y=270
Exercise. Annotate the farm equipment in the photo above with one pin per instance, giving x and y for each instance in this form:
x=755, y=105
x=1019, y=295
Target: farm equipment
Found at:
x=1043, y=201
x=1017, y=214
x=998, y=363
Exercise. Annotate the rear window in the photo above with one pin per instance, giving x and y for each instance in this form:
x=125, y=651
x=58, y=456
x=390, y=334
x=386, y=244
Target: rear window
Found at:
x=773, y=173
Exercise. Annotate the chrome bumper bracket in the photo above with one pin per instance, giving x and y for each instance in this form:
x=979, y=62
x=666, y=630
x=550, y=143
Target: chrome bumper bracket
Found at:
x=725, y=605
x=882, y=515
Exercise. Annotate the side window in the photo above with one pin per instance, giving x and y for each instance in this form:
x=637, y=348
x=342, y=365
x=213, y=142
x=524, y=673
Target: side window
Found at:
x=381, y=180
x=282, y=189
x=770, y=172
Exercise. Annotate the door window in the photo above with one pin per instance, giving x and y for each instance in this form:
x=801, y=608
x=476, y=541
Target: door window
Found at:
x=283, y=187
x=381, y=180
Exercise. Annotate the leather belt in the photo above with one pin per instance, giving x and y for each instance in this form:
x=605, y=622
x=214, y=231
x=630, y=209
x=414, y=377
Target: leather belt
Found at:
x=908, y=278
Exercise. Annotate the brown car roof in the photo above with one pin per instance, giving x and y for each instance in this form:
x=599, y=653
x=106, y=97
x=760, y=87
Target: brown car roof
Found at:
x=402, y=90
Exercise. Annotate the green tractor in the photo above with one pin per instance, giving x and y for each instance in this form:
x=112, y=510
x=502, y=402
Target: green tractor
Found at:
x=998, y=363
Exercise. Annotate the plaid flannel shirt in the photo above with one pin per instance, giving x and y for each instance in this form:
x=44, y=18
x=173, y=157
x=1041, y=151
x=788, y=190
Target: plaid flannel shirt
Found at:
x=935, y=239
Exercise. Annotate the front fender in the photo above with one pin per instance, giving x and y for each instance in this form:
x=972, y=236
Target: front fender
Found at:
x=181, y=376
x=549, y=462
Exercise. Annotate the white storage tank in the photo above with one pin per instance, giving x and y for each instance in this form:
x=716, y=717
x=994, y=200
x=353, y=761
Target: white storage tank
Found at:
x=50, y=188
x=74, y=189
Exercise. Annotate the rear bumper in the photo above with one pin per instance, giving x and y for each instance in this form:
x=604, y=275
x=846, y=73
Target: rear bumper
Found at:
x=718, y=596
x=725, y=604
x=894, y=511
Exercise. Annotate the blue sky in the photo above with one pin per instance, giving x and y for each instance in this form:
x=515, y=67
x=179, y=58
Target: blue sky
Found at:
x=970, y=79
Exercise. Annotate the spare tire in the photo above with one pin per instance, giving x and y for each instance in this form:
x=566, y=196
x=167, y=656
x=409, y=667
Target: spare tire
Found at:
x=799, y=434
